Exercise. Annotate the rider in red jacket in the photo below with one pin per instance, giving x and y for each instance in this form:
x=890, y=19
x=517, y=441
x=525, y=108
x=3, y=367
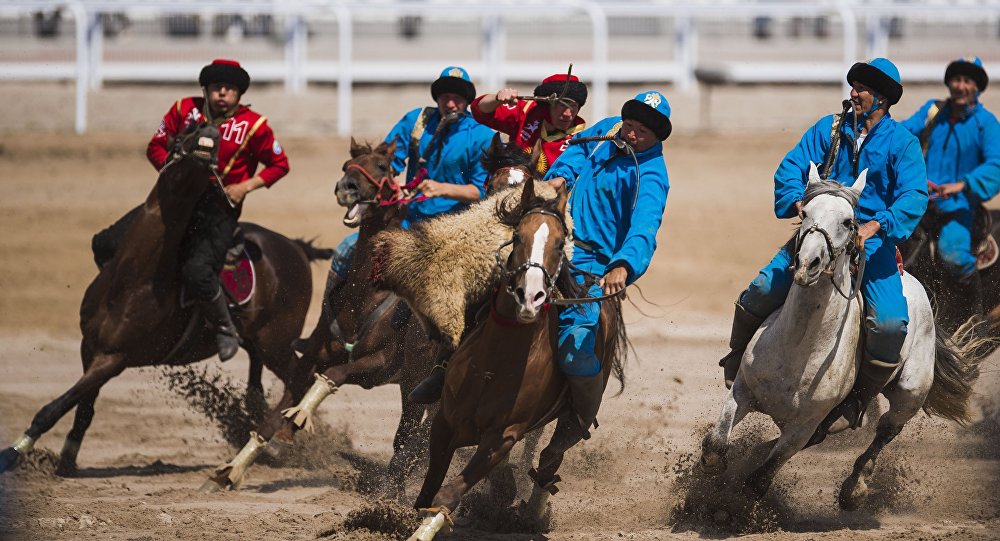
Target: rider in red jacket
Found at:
x=532, y=124
x=246, y=141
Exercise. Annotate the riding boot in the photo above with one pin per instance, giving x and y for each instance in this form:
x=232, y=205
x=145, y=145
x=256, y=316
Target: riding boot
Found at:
x=873, y=378
x=216, y=312
x=429, y=390
x=745, y=325
x=585, y=394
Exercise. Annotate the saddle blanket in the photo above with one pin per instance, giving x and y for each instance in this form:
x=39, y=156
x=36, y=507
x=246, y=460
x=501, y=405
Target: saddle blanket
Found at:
x=239, y=279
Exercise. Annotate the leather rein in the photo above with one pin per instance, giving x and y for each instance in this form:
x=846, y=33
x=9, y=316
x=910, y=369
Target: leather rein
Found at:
x=835, y=252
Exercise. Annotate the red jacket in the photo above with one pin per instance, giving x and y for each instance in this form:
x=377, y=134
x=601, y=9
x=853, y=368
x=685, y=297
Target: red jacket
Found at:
x=525, y=125
x=246, y=141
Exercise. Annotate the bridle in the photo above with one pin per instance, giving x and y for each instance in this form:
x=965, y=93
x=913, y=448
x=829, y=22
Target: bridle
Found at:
x=835, y=252
x=510, y=275
x=399, y=195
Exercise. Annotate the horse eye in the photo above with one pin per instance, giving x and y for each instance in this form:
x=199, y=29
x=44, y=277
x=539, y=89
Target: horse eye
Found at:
x=383, y=166
x=847, y=223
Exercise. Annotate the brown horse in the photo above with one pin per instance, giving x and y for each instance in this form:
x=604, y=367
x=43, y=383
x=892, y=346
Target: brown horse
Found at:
x=951, y=303
x=132, y=315
x=364, y=337
x=503, y=381
x=507, y=165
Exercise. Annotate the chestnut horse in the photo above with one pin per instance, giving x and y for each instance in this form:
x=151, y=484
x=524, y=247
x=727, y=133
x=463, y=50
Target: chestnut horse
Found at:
x=364, y=336
x=502, y=381
x=132, y=315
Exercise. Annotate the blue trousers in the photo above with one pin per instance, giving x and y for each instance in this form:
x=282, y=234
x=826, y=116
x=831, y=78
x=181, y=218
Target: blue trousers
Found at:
x=955, y=244
x=578, y=324
x=340, y=263
x=882, y=288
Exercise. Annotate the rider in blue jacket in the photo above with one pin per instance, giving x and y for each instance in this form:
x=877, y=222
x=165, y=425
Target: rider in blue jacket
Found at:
x=617, y=197
x=449, y=152
x=961, y=144
x=891, y=206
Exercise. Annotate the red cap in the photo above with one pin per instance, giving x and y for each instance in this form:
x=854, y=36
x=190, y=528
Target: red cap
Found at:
x=226, y=62
x=559, y=78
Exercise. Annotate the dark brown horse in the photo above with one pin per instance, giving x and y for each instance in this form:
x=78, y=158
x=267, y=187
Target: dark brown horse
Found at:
x=952, y=303
x=364, y=337
x=131, y=314
x=507, y=165
x=503, y=381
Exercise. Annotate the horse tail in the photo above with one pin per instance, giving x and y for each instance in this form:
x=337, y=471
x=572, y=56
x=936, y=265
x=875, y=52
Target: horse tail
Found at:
x=617, y=343
x=312, y=252
x=956, y=368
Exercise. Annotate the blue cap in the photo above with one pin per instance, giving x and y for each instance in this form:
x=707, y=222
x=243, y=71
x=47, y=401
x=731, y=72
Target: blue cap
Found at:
x=971, y=67
x=455, y=80
x=652, y=109
x=879, y=74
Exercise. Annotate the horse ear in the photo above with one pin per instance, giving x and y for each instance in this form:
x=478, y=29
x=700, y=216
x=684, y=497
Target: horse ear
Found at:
x=813, y=172
x=536, y=155
x=528, y=192
x=561, y=197
x=859, y=184
x=386, y=149
x=496, y=144
x=356, y=149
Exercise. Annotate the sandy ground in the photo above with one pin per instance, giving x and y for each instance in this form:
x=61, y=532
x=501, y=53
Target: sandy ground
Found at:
x=147, y=452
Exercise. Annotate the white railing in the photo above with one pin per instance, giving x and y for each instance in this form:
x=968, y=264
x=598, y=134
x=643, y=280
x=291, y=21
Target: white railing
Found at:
x=90, y=69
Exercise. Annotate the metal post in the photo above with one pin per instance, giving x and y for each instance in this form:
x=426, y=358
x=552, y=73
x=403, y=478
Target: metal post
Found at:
x=82, y=67
x=876, y=36
x=599, y=31
x=295, y=52
x=850, y=35
x=685, y=52
x=95, y=33
x=344, y=80
x=493, y=46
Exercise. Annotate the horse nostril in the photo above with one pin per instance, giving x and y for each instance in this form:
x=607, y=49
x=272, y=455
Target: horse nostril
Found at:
x=814, y=263
x=539, y=297
x=519, y=293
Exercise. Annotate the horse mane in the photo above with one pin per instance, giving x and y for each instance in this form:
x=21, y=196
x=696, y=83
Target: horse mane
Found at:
x=829, y=187
x=508, y=155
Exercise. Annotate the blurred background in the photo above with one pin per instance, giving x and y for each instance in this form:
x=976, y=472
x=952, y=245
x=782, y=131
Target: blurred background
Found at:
x=318, y=61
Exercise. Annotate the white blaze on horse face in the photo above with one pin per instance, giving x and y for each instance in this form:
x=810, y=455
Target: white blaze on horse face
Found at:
x=534, y=278
x=515, y=177
x=826, y=213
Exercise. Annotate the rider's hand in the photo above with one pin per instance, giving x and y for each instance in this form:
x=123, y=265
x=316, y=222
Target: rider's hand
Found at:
x=948, y=190
x=614, y=280
x=933, y=190
x=507, y=96
x=433, y=188
x=238, y=192
x=866, y=232
x=557, y=183
x=798, y=208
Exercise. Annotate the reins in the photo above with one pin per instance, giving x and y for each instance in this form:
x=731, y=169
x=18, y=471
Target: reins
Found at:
x=835, y=253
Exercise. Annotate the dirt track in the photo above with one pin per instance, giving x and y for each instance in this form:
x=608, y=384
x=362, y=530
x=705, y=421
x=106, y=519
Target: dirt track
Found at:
x=147, y=453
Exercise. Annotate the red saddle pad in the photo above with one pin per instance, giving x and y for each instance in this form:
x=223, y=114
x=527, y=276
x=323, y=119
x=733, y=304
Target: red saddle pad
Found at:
x=239, y=280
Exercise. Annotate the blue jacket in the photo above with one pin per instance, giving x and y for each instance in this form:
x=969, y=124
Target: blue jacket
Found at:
x=896, y=191
x=602, y=196
x=457, y=162
x=967, y=150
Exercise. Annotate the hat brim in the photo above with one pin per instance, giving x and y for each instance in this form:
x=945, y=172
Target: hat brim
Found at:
x=225, y=73
x=453, y=85
x=877, y=80
x=970, y=70
x=649, y=117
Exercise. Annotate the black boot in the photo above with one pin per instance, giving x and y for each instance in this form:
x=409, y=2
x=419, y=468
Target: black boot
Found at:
x=745, y=325
x=216, y=312
x=873, y=378
x=429, y=390
x=586, y=393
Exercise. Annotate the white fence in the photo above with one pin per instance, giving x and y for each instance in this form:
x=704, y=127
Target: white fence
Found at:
x=571, y=30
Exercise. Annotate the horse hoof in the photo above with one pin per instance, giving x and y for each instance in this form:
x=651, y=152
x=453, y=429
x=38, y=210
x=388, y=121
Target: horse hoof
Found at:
x=712, y=464
x=66, y=469
x=852, y=494
x=8, y=458
x=212, y=486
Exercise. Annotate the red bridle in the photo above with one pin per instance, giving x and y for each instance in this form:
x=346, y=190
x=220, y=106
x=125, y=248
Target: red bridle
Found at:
x=400, y=195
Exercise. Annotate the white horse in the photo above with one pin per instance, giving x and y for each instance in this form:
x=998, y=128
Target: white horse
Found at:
x=805, y=357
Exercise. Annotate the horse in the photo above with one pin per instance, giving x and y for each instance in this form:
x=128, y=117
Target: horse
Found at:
x=952, y=306
x=502, y=381
x=507, y=165
x=132, y=313
x=797, y=381
x=364, y=336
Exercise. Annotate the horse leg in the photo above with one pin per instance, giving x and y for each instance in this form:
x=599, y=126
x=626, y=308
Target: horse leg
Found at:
x=716, y=442
x=903, y=405
x=791, y=441
x=359, y=372
x=406, y=447
x=503, y=486
x=256, y=403
x=441, y=451
x=102, y=369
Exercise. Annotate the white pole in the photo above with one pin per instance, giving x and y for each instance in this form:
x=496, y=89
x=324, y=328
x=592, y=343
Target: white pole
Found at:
x=82, y=68
x=344, y=81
